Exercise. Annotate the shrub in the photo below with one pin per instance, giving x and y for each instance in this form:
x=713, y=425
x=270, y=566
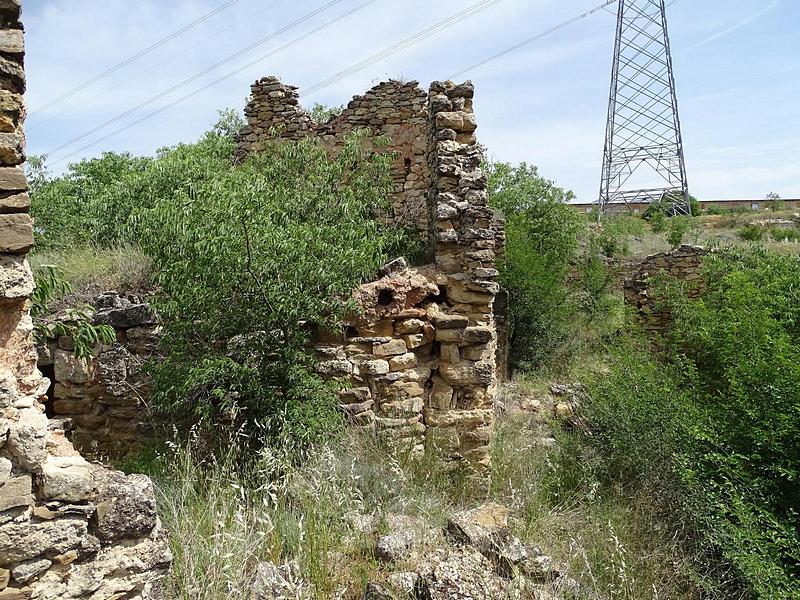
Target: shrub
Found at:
x=542, y=242
x=246, y=262
x=751, y=233
x=676, y=229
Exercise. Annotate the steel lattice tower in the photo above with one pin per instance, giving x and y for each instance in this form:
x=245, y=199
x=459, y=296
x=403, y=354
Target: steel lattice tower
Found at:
x=643, y=159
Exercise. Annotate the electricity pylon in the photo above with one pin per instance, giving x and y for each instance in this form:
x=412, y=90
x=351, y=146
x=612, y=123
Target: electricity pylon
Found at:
x=643, y=159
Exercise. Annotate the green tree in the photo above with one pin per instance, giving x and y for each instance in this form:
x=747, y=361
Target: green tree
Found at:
x=542, y=243
x=246, y=262
x=774, y=202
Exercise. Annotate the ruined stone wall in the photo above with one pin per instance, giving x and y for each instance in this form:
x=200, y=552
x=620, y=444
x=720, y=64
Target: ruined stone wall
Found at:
x=683, y=264
x=103, y=402
x=393, y=109
x=68, y=529
x=418, y=360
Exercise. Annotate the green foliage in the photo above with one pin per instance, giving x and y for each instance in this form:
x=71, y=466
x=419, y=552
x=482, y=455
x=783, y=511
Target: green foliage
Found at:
x=542, y=242
x=245, y=262
x=95, y=201
x=752, y=233
x=787, y=234
x=676, y=229
x=774, y=202
x=710, y=425
x=743, y=339
x=76, y=323
x=658, y=222
x=322, y=114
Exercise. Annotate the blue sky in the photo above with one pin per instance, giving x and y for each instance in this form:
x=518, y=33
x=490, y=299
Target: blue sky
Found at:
x=737, y=67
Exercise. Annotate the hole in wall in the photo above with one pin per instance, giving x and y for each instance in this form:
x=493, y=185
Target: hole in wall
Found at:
x=350, y=331
x=385, y=297
x=440, y=298
x=49, y=371
x=407, y=164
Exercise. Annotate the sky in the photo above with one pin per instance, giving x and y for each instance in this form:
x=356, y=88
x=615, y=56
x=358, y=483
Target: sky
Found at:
x=736, y=62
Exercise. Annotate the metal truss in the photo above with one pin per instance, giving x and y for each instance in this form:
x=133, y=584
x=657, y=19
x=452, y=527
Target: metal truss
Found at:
x=643, y=159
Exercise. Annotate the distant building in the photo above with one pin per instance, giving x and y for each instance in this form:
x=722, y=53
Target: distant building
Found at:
x=640, y=207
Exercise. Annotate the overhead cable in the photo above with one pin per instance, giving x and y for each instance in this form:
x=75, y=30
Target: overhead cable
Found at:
x=196, y=76
x=133, y=58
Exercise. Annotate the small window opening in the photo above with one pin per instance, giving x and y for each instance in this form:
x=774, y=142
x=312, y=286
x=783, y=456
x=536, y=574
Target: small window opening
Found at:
x=385, y=297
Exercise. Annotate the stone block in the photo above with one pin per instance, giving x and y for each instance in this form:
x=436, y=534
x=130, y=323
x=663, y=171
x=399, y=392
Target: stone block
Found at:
x=403, y=362
x=408, y=326
x=374, y=367
x=391, y=348
x=66, y=478
x=441, y=395
x=70, y=368
x=12, y=179
x=450, y=353
x=17, y=233
x=16, y=491
x=16, y=278
x=15, y=203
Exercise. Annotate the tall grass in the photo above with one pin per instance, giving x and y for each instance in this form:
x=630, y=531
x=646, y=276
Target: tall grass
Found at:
x=226, y=513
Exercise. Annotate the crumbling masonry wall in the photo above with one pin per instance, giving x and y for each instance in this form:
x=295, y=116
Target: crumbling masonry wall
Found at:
x=102, y=402
x=683, y=263
x=418, y=358
x=68, y=529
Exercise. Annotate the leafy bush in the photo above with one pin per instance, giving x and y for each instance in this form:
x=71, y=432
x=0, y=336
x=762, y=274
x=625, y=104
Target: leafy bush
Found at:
x=95, y=201
x=246, y=262
x=676, y=229
x=752, y=233
x=710, y=426
x=784, y=234
x=542, y=242
x=76, y=324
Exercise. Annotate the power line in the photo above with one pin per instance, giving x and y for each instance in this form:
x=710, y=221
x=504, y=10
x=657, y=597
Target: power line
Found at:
x=205, y=40
x=530, y=40
x=402, y=45
x=196, y=76
x=133, y=58
x=219, y=80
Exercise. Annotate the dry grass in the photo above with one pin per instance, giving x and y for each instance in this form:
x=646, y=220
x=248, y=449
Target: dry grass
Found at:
x=91, y=270
x=225, y=518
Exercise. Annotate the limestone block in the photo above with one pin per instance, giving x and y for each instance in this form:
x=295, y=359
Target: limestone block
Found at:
x=449, y=335
x=391, y=348
x=441, y=395
x=27, y=439
x=12, y=179
x=450, y=353
x=126, y=506
x=374, y=367
x=30, y=569
x=16, y=491
x=403, y=362
x=69, y=368
x=15, y=202
x=5, y=469
x=408, y=326
x=17, y=232
x=11, y=152
x=477, y=335
x=23, y=541
x=443, y=321
x=66, y=478
x=16, y=278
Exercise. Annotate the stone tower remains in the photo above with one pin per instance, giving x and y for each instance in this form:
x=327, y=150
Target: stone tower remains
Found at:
x=418, y=358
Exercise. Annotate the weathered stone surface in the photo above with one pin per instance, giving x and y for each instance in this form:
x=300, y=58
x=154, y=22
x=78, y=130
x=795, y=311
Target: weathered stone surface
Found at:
x=70, y=368
x=17, y=231
x=16, y=278
x=66, y=478
x=11, y=41
x=15, y=491
x=24, y=541
x=12, y=179
x=15, y=203
x=133, y=315
x=27, y=439
x=126, y=506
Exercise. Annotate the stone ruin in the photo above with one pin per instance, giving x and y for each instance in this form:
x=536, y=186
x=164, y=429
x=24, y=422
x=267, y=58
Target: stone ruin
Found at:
x=418, y=359
x=103, y=402
x=69, y=529
x=683, y=263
